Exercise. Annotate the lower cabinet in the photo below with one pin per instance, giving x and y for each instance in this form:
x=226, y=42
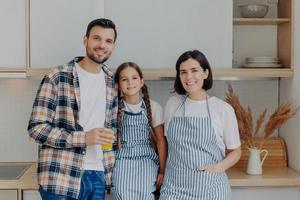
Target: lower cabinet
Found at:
x=31, y=195
x=238, y=194
x=35, y=195
x=8, y=194
x=266, y=193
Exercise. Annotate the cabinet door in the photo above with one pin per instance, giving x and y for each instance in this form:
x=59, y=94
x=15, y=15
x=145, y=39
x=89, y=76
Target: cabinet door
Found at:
x=31, y=195
x=154, y=33
x=266, y=194
x=9, y=194
x=57, y=29
x=12, y=34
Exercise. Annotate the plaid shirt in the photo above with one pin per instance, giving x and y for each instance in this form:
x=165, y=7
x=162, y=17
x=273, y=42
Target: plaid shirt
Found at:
x=54, y=125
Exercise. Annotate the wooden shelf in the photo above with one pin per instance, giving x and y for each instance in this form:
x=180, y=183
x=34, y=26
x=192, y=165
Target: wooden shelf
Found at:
x=12, y=69
x=260, y=21
x=165, y=73
x=253, y=73
x=224, y=74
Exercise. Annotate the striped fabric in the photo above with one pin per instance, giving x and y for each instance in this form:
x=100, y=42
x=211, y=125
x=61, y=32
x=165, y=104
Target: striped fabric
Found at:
x=191, y=144
x=54, y=126
x=136, y=166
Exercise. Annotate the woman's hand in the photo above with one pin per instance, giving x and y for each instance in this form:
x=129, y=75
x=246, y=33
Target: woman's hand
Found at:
x=212, y=168
x=232, y=157
x=159, y=179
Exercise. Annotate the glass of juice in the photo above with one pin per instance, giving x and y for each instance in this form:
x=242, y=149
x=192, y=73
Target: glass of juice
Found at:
x=106, y=147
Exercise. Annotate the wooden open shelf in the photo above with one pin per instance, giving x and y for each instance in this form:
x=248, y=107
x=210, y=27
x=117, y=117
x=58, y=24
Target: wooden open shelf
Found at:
x=284, y=22
x=260, y=21
x=224, y=74
x=165, y=73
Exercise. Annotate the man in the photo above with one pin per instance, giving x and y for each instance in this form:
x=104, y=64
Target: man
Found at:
x=74, y=113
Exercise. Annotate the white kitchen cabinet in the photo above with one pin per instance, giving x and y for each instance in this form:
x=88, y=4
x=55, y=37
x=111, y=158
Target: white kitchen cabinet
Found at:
x=31, y=195
x=8, y=194
x=57, y=29
x=266, y=194
x=12, y=35
x=154, y=33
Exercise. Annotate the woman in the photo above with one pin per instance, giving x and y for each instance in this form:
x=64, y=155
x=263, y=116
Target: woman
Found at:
x=198, y=129
x=139, y=169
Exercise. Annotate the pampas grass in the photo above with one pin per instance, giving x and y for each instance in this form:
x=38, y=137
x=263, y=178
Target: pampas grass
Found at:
x=245, y=121
x=280, y=116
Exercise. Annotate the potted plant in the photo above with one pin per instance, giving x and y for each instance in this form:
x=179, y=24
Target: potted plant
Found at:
x=247, y=133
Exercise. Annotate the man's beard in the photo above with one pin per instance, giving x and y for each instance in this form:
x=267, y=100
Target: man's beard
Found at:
x=93, y=58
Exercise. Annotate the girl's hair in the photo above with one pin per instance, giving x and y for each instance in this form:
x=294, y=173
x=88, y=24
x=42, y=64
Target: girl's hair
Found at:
x=145, y=97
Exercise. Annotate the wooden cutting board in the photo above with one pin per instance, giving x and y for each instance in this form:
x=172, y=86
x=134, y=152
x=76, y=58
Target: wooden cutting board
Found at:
x=277, y=156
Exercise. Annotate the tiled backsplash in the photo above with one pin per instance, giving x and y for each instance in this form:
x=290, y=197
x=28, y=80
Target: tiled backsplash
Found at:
x=16, y=98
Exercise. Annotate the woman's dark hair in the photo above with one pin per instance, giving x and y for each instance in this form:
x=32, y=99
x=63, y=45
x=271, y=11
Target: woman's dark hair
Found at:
x=104, y=23
x=202, y=60
x=146, y=99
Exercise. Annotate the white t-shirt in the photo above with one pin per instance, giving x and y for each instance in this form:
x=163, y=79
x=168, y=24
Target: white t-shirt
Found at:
x=157, y=111
x=223, y=118
x=92, y=112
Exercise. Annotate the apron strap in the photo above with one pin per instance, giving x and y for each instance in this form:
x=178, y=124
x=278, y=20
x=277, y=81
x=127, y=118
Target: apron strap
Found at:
x=208, y=110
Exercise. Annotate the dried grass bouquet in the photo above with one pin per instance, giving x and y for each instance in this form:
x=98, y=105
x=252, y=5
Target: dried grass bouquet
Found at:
x=245, y=121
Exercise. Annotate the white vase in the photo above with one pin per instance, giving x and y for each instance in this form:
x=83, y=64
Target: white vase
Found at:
x=254, y=166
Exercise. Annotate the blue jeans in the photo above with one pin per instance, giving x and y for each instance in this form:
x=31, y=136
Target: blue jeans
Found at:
x=92, y=188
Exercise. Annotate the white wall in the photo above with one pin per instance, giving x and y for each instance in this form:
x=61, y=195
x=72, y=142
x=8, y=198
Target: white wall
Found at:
x=290, y=91
x=16, y=97
x=154, y=33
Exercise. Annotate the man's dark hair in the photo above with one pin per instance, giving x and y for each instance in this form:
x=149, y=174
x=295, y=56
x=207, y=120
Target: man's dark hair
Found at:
x=104, y=23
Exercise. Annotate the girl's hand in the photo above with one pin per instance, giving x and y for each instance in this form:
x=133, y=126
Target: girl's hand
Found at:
x=212, y=168
x=159, y=179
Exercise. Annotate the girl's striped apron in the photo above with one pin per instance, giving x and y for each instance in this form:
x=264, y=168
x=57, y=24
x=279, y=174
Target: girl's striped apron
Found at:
x=136, y=167
x=192, y=143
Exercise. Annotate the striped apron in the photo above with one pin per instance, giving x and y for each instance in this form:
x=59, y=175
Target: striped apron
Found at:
x=192, y=143
x=136, y=167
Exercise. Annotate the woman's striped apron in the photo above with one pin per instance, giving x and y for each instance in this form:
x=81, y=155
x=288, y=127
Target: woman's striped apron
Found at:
x=192, y=143
x=136, y=167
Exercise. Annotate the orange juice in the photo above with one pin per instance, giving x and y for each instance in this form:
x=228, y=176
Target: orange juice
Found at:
x=106, y=147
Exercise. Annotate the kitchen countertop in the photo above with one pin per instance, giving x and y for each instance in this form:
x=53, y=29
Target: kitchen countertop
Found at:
x=26, y=182
x=272, y=177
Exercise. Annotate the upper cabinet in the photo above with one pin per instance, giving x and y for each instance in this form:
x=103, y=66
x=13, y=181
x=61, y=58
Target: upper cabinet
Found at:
x=12, y=35
x=271, y=36
x=42, y=34
x=57, y=29
x=155, y=33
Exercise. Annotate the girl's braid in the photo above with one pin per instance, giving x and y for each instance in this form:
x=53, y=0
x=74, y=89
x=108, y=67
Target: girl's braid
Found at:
x=149, y=112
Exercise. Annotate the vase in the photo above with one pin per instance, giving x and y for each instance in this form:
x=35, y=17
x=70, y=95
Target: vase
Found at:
x=255, y=163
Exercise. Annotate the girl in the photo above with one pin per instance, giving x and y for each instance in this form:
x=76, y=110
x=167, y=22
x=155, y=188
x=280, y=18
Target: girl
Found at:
x=140, y=132
x=198, y=129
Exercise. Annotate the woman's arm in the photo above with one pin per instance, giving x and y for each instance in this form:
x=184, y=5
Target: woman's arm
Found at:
x=232, y=157
x=161, y=145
